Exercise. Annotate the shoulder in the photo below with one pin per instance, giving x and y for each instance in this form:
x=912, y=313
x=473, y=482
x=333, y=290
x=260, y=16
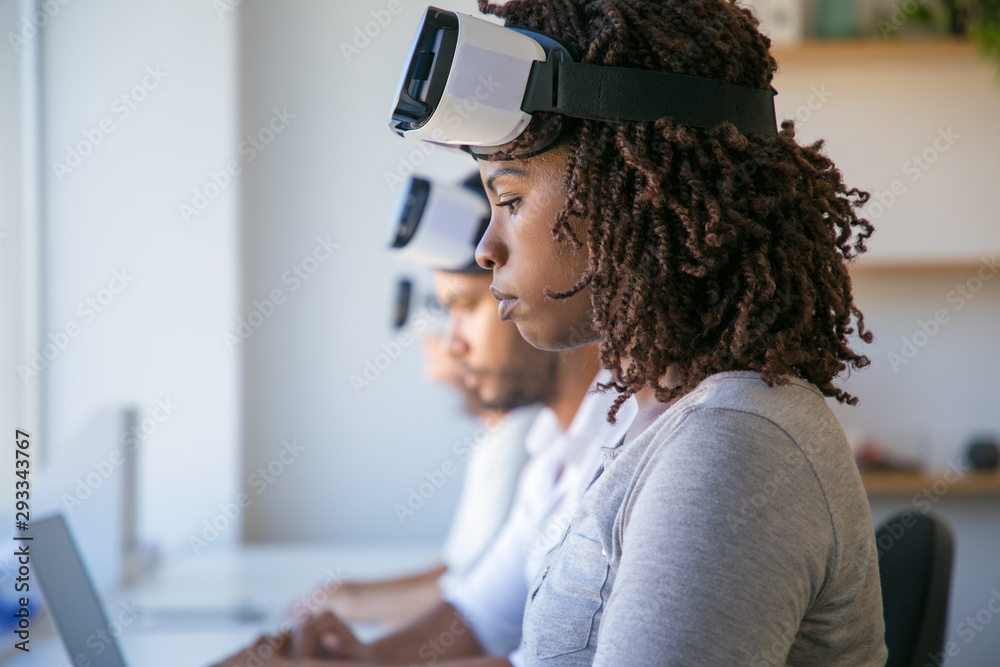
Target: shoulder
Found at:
x=739, y=454
x=732, y=414
x=736, y=419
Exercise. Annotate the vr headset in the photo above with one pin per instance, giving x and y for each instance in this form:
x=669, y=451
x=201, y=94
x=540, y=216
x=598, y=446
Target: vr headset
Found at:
x=473, y=85
x=438, y=225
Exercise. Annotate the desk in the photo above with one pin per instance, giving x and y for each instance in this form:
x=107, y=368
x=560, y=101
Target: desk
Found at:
x=273, y=577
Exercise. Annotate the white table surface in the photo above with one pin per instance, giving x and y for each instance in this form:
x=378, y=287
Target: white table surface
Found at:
x=184, y=609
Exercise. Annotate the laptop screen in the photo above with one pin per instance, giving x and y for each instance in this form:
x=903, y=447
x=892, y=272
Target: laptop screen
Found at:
x=70, y=597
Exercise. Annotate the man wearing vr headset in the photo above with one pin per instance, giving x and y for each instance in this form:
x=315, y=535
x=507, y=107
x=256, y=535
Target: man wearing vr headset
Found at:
x=641, y=189
x=439, y=226
x=494, y=459
x=503, y=379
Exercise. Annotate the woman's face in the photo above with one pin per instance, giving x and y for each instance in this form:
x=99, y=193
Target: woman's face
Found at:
x=525, y=196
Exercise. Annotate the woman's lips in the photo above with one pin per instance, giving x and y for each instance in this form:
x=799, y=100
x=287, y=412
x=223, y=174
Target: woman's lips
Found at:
x=506, y=302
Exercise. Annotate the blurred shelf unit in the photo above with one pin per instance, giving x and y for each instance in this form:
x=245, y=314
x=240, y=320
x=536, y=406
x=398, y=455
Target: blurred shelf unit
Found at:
x=912, y=121
x=872, y=48
x=886, y=482
x=928, y=265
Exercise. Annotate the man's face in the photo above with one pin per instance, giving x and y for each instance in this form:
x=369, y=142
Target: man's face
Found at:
x=496, y=363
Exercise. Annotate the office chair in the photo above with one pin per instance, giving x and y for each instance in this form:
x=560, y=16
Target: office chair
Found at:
x=915, y=572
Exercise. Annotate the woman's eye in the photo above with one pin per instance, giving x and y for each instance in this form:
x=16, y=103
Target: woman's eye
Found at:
x=511, y=204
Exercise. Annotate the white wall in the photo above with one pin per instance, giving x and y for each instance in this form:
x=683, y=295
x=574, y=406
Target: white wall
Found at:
x=942, y=231
x=928, y=406
x=323, y=176
x=17, y=230
x=930, y=388
x=879, y=114
x=158, y=336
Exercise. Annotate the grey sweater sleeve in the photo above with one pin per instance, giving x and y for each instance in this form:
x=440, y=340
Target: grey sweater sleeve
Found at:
x=725, y=542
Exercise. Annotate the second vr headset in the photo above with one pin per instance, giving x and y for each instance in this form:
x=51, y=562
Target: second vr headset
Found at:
x=473, y=84
x=438, y=225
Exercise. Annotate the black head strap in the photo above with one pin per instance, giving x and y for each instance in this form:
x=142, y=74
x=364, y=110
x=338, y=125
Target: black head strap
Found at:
x=623, y=94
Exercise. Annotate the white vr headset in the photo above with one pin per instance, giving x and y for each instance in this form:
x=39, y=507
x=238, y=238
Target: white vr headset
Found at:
x=438, y=225
x=473, y=84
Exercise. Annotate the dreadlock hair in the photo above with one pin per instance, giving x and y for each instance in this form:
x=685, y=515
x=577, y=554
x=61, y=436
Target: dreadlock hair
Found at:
x=709, y=250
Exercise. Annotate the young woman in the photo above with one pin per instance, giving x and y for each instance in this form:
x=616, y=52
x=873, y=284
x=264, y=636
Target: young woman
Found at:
x=730, y=526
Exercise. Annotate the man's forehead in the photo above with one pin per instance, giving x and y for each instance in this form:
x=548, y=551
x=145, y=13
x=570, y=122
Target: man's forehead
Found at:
x=451, y=286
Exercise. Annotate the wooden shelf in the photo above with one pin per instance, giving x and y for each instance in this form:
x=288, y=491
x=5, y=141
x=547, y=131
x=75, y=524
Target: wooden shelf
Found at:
x=873, y=48
x=919, y=265
x=890, y=482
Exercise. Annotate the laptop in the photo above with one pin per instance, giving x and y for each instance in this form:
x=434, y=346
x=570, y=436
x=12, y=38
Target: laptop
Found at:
x=70, y=597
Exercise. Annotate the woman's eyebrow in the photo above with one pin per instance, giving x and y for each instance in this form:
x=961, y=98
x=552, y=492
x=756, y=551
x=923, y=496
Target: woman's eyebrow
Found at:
x=505, y=171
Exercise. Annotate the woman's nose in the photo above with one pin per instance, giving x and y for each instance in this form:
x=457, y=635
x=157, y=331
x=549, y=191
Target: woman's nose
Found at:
x=491, y=251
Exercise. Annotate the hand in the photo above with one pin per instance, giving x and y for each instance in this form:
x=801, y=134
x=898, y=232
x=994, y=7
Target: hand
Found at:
x=345, y=599
x=274, y=651
x=267, y=651
x=326, y=636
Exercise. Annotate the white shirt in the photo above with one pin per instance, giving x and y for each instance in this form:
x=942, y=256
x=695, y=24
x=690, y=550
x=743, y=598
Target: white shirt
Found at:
x=492, y=596
x=494, y=467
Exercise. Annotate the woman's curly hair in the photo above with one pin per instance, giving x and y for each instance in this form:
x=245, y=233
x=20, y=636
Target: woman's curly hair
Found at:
x=709, y=250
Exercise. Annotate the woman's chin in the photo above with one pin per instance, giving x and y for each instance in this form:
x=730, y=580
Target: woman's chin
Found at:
x=547, y=337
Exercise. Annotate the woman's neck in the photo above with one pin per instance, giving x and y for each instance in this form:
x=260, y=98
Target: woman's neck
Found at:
x=650, y=408
x=576, y=372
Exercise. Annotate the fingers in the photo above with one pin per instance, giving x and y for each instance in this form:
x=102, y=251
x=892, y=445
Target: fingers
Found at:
x=340, y=598
x=272, y=645
x=280, y=642
x=321, y=636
